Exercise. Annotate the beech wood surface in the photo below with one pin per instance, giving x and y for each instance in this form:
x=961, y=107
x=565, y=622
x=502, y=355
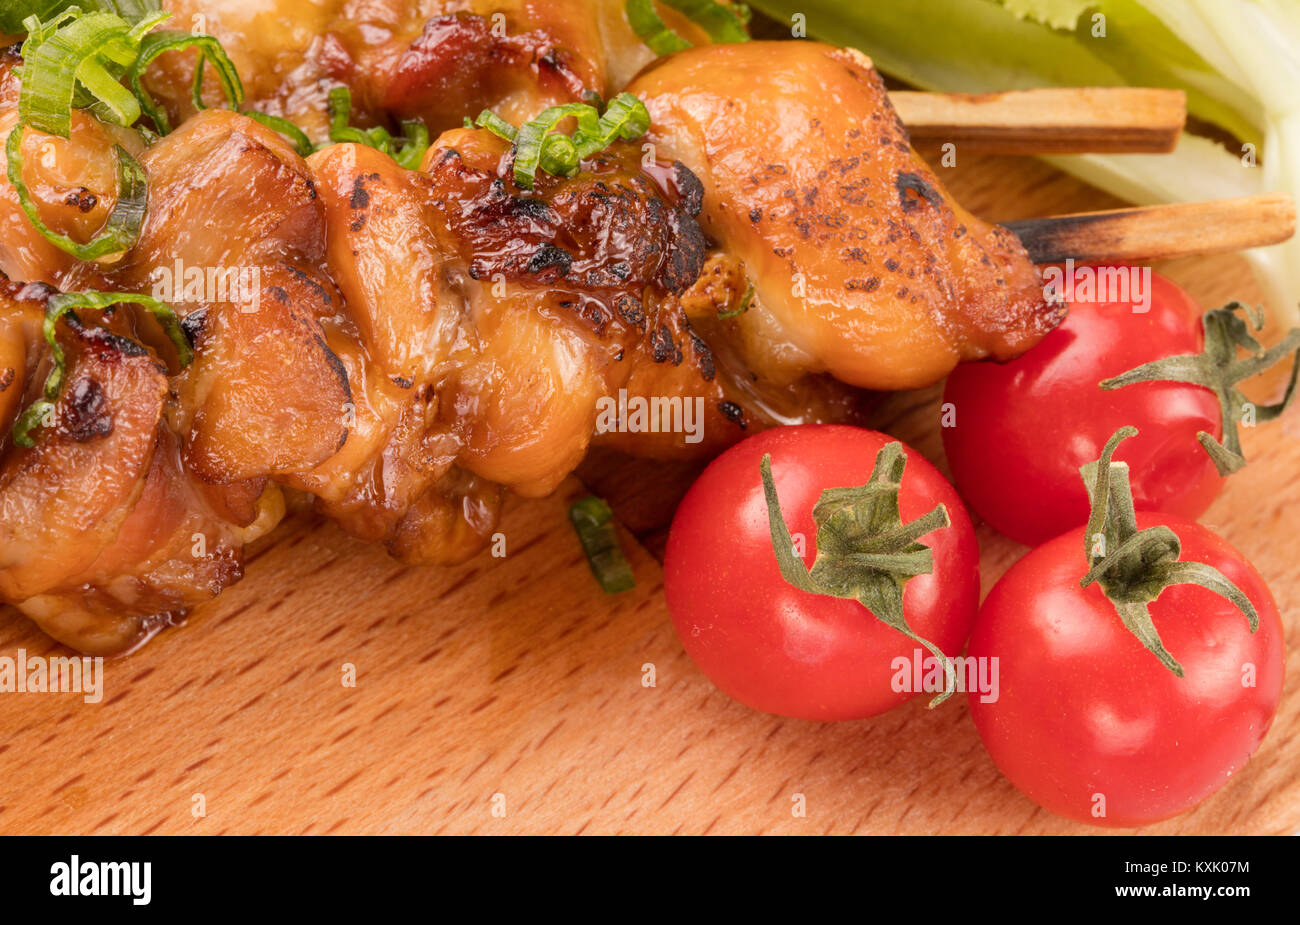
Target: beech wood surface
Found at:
x=516, y=684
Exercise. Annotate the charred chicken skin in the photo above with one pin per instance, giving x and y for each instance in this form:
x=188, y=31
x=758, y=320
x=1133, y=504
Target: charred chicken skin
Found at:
x=401, y=346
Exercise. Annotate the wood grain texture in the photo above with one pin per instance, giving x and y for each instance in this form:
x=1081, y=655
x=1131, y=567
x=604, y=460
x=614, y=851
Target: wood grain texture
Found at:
x=517, y=677
x=1056, y=120
x=1164, y=232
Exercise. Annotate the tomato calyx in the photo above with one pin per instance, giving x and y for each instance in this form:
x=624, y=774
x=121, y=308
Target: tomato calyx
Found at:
x=1134, y=566
x=1219, y=369
x=864, y=550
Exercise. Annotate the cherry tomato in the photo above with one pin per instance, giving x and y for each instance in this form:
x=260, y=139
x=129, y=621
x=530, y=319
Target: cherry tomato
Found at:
x=1022, y=429
x=1087, y=722
x=783, y=650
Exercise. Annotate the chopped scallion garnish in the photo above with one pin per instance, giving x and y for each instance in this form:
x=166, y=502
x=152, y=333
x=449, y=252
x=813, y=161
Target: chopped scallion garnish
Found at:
x=64, y=303
x=594, y=522
x=408, y=150
x=121, y=229
x=495, y=124
x=12, y=17
x=415, y=142
x=724, y=22
x=745, y=302
x=78, y=60
x=539, y=146
x=286, y=128
x=154, y=44
x=625, y=117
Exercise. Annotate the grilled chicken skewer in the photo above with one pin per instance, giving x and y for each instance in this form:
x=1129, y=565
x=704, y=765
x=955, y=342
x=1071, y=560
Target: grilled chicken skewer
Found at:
x=438, y=60
x=864, y=267
x=416, y=341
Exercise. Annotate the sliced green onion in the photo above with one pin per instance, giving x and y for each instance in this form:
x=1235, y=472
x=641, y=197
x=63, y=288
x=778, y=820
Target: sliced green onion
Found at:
x=652, y=30
x=156, y=43
x=725, y=23
x=539, y=146
x=38, y=29
x=286, y=128
x=77, y=51
x=407, y=150
x=594, y=522
x=415, y=142
x=745, y=302
x=12, y=20
x=536, y=147
x=121, y=229
x=340, y=110
x=560, y=157
x=108, y=99
x=29, y=420
x=380, y=138
x=495, y=124
x=196, y=85
x=77, y=59
x=63, y=304
x=626, y=117
x=142, y=27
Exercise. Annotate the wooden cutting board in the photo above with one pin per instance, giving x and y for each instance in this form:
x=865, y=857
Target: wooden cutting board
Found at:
x=510, y=695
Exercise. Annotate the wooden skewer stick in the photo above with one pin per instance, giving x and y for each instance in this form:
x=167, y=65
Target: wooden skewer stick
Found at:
x=1049, y=121
x=1160, y=232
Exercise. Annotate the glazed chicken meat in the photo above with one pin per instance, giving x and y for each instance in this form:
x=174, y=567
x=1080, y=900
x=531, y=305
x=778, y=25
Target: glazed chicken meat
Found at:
x=400, y=345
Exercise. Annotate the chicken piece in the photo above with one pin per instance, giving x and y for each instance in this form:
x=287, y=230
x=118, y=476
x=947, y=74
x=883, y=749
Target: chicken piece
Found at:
x=394, y=479
x=104, y=538
x=574, y=289
x=493, y=322
x=233, y=233
x=436, y=60
x=277, y=48
x=225, y=193
x=450, y=522
x=510, y=313
x=287, y=366
x=269, y=395
x=22, y=313
x=73, y=182
x=88, y=469
x=413, y=343
x=703, y=320
x=553, y=285
x=446, y=61
x=386, y=260
x=863, y=267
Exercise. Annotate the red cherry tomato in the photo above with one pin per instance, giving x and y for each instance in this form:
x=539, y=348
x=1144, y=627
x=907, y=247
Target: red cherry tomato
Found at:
x=1023, y=428
x=1088, y=723
x=783, y=650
